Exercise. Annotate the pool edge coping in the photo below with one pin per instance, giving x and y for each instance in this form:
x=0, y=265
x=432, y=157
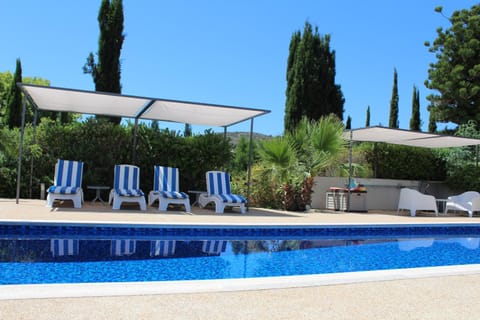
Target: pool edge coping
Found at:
x=52, y=291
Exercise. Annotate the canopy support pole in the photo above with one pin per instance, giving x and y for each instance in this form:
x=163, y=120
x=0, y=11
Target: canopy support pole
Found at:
x=249, y=174
x=349, y=170
x=34, y=140
x=476, y=156
x=135, y=128
x=20, y=149
x=134, y=143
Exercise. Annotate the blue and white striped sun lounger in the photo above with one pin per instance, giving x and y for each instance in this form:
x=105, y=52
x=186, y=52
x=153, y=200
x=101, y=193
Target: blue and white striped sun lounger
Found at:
x=64, y=247
x=166, y=189
x=67, y=184
x=124, y=247
x=219, y=192
x=162, y=248
x=214, y=246
x=126, y=186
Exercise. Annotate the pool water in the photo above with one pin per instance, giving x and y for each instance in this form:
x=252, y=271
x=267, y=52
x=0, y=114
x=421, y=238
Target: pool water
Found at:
x=35, y=260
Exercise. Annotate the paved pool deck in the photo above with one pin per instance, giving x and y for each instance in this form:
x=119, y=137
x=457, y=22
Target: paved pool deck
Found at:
x=424, y=293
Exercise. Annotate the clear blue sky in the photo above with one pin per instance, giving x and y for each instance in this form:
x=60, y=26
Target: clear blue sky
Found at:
x=234, y=52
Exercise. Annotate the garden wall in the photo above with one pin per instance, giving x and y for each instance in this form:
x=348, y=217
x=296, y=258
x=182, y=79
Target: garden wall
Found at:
x=382, y=194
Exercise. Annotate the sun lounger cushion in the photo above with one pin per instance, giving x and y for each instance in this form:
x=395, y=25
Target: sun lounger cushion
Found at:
x=166, y=189
x=214, y=246
x=67, y=184
x=162, y=248
x=64, y=247
x=219, y=183
x=219, y=192
x=123, y=247
x=126, y=186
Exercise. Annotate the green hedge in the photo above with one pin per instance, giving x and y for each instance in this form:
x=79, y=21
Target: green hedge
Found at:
x=101, y=145
x=403, y=162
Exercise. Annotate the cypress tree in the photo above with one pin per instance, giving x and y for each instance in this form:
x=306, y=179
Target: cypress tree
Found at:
x=393, y=120
x=293, y=110
x=415, y=119
x=367, y=122
x=106, y=73
x=13, y=112
x=311, y=89
x=348, y=125
x=187, y=132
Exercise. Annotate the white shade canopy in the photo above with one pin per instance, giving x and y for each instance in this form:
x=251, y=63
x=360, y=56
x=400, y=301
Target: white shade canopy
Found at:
x=111, y=104
x=140, y=108
x=408, y=138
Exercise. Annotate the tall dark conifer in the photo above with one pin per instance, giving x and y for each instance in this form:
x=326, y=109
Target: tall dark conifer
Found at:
x=393, y=120
x=311, y=89
x=367, y=121
x=106, y=72
x=348, y=124
x=415, y=119
x=13, y=112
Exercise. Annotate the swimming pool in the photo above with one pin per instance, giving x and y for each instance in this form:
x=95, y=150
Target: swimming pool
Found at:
x=78, y=253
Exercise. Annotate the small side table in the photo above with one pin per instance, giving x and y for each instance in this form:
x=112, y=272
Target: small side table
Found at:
x=98, y=190
x=197, y=194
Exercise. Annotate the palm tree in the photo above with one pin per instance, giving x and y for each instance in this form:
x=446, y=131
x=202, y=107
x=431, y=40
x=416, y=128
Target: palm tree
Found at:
x=291, y=161
x=278, y=160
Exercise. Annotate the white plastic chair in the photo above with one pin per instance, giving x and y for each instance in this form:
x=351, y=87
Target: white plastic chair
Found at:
x=219, y=192
x=414, y=201
x=67, y=183
x=468, y=201
x=166, y=189
x=126, y=187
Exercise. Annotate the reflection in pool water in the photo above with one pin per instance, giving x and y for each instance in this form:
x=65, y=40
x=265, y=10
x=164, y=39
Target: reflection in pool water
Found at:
x=65, y=260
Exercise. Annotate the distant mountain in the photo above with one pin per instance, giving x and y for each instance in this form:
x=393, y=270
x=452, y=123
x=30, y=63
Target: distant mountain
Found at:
x=235, y=136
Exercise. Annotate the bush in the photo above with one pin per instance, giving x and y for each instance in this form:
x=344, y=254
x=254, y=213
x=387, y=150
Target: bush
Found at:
x=101, y=145
x=403, y=162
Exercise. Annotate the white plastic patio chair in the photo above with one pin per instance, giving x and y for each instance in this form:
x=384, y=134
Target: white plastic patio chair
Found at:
x=414, y=201
x=67, y=184
x=166, y=189
x=126, y=187
x=468, y=201
x=219, y=192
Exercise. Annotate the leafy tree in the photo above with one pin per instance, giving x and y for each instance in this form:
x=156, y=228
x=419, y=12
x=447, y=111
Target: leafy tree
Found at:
x=462, y=163
x=6, y=79
x=393, y=120
x=107, y=71
x=311, y=90
x=415, y=119
x=348, y=124
x=367, y=121
x=241, y=158
x=455, y=76
x=13, y=112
